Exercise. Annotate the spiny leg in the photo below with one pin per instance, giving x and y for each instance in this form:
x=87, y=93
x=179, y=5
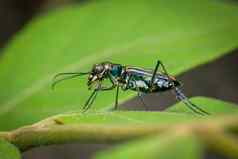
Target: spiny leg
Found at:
x=116, y=101
x=93, y=96
x=139, y=94
x=90, y=100
x=155, y=71
x=142, y=100
x=181, y=98
x=163, y=67
x=110, y=88
x=189, y=104
x=93, y=99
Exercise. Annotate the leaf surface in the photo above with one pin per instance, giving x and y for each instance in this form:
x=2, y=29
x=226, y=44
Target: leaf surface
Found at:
x=162, y=146
x=176, y=114
x=8, y=151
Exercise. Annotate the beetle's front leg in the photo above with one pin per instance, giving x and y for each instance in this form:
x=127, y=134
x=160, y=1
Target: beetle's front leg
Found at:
x=117, y=92
x=113, y=82
x=127, y=82
x=90, y=100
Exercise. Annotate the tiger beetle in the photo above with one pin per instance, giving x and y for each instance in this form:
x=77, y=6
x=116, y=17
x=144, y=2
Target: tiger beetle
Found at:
x=136, y=79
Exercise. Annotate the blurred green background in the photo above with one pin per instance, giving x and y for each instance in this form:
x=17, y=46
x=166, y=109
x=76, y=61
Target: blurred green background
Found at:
x=14, y=14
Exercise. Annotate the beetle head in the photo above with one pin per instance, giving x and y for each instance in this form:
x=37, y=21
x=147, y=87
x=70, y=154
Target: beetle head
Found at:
x=98, y=72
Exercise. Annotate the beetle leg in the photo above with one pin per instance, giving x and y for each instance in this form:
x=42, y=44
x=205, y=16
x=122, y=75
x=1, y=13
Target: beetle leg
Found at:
x=117, y=92
x=128, y=81
x=107, y=88
x=90, y=100
x=93, y=96
x=114, y=84
x=140, y=95
x=116, y=101
x=189, y=104
x=159, y=63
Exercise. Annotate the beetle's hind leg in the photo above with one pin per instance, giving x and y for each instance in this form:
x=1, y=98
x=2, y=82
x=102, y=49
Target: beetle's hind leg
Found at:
x=159, y=63
x=140, y=95
x=189, y=104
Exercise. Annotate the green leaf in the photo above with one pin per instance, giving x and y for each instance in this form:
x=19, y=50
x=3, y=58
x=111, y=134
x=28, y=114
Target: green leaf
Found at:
x=129, y=117
x=164, y=146
x=182, y=35
x=115, y=126
x=175, y=114
x=8, y=151
x=178, y=113
x=213, y=106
